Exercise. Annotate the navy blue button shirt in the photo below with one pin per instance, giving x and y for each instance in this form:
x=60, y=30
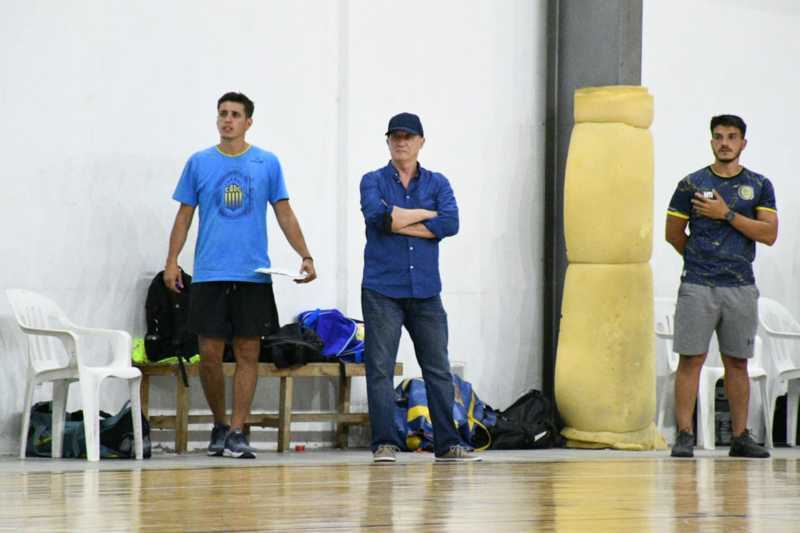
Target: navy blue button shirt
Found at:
x=399, y=266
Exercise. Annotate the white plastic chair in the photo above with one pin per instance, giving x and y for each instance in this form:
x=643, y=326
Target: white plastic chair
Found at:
x=40, y=318
x=713, y=371
x=664, y=316
x=781, y=334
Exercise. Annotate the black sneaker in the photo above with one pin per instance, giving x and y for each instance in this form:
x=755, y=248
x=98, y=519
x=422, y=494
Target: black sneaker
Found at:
x=684, y=445
x=236, y=446
x=217, y=444
x=745, y=446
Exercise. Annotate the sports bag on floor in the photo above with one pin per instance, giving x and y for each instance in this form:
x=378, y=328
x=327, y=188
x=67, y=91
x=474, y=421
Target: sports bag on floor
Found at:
x=529, y=423
x=116, y=434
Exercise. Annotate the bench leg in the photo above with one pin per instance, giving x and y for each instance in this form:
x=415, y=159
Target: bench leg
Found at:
x=343, y=408
x=181, y=415
x=285, y=414
x=145, y=394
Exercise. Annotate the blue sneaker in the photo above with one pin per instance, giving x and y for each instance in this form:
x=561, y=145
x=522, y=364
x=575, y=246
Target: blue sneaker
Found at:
x=236, y=446
x=217, y=444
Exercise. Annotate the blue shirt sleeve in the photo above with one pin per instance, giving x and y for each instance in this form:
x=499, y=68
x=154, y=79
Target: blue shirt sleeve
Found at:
x=445, y=224
x=373, y=205
x=185, y=191
x=767, y=198
x=681, y=203
x=277, y=185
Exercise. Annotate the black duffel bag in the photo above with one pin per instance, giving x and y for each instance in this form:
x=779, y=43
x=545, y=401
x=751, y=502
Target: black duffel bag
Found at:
x=292, y=345
x=529, y=423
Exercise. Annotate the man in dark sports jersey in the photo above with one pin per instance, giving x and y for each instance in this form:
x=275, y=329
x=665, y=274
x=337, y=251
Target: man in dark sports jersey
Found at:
x=727, y=208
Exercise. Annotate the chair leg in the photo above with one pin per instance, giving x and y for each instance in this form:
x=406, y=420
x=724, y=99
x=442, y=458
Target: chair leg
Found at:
x=90, y=393
x=60, y=389
x=766, y=408
x=134, y=388
x=791, y=412
x=772, y=399
x=662, y=401
x=706, y=412
x=26, y=418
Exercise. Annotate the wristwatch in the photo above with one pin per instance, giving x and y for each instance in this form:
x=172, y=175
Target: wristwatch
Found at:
x=730, y=215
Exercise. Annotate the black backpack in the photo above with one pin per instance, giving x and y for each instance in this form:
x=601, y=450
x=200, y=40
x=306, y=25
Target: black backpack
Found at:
x=529, y=423
x=292, y=345
x=167, y=315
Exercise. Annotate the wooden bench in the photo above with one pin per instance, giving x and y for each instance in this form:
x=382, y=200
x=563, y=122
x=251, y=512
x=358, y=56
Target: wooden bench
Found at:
x=341, y=417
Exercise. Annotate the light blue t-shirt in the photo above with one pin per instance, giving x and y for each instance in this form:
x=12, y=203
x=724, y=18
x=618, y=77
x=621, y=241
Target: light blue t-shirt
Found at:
x=232, y=193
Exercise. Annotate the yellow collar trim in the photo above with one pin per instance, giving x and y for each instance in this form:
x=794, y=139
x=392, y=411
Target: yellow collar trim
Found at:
x=233, y=155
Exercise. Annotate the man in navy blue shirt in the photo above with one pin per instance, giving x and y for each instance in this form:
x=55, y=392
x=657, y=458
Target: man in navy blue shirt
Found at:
x=727, y=208
x=407, y=210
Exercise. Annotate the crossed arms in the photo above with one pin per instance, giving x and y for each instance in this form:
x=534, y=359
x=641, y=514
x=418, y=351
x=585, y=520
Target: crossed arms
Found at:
x=423, y=223
x=409, y=222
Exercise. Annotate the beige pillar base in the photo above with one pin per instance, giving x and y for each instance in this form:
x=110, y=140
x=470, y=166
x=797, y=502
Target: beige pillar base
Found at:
x=645, y=439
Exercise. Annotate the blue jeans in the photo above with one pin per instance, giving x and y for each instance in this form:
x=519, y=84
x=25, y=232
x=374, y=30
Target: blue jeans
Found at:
x=426, y=322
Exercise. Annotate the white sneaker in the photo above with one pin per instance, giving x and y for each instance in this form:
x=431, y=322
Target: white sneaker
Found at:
x=458, y=454
x=385, y=453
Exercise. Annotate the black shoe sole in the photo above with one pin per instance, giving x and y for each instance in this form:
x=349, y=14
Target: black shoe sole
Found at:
x=238, y=455
x=748, y=456
x=682, y=455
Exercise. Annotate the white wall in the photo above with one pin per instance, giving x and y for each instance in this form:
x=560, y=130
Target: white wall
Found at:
x=475, y=73
x=711, y=57
x=104, y=101
x=706, y=58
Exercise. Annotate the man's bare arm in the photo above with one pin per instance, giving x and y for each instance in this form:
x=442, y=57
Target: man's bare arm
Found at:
x=177, y=238
x=416, y=230
x=291, y=229
x=763, y=229
x=676, y=233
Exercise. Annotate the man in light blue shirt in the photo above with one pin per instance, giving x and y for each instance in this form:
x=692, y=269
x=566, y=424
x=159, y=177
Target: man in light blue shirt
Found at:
x=232, y=183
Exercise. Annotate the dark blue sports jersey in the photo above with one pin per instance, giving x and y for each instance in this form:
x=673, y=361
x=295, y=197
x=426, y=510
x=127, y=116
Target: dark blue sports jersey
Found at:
x=717, y=254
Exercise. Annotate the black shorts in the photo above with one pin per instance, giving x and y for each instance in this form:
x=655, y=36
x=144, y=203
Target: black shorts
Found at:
x=228, y=309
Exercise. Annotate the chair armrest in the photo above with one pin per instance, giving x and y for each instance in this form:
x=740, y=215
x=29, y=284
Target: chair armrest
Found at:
x=67, y=338
x=120, y=341
x=782, y=334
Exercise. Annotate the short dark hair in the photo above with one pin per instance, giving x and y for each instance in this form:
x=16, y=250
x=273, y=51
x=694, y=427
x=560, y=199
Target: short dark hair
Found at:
x=240, y=98
x=729, y=120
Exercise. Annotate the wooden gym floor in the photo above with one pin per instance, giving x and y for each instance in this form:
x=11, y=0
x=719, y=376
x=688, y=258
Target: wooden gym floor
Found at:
x=548, y=490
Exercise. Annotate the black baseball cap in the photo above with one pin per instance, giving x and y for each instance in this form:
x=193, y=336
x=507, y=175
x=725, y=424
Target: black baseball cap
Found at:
x=408, y=122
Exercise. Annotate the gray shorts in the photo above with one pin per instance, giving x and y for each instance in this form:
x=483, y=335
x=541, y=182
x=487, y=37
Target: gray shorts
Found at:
x=730, y=311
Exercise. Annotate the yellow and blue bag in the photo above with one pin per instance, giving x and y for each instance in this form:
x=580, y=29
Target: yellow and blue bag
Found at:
x=472, y=417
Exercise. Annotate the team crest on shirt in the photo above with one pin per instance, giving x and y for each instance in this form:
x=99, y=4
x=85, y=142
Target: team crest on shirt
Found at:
x=746, y=192
x=233, y=194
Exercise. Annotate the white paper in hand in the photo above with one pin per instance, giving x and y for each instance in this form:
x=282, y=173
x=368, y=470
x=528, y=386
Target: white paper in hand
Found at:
x=293, y=274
